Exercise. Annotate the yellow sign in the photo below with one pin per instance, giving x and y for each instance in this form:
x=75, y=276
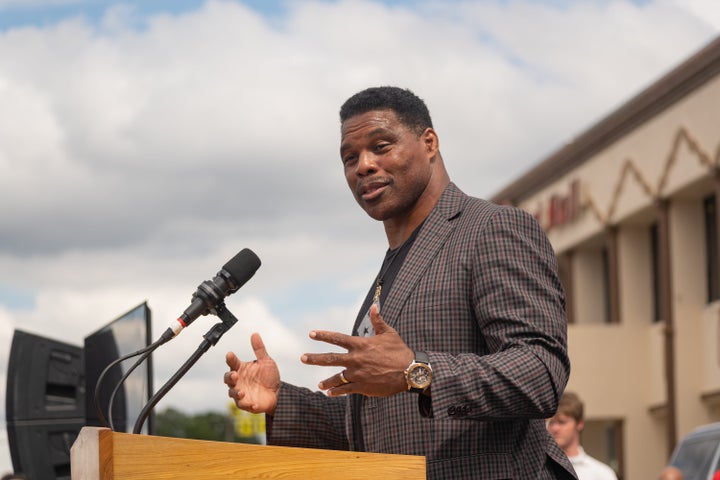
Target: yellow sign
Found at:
x=247, y=424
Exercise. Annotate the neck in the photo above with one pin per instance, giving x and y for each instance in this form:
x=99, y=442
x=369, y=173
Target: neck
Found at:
x=398, y=230
x=573, y=450
x=397, y=234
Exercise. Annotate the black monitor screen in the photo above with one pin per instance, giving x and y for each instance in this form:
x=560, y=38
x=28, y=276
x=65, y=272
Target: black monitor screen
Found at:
x=126, y=334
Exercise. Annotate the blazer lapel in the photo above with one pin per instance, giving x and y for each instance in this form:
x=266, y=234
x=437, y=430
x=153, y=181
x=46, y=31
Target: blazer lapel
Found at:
x=432, y=236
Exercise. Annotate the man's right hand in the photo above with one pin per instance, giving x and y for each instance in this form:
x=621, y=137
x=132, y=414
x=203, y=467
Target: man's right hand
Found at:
x=253, y=385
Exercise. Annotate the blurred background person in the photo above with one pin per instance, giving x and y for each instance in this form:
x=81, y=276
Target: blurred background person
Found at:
x=565, y=427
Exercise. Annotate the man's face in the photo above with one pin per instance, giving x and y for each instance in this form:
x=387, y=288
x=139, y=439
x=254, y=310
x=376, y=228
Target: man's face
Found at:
x=387, y=166
x=565, y=430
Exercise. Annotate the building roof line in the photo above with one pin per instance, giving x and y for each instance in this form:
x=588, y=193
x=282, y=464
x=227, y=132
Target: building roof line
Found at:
x=669, y=89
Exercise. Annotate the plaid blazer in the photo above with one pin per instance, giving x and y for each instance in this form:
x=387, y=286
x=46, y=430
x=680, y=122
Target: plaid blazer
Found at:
x=479, y=292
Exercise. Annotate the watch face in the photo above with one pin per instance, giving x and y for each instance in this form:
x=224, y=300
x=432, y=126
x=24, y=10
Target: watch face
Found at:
x=420, y=376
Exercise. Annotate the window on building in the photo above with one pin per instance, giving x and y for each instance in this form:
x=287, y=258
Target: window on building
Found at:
x=605, y=259
x=590, y=285
x=711, y=247
x=655, y=264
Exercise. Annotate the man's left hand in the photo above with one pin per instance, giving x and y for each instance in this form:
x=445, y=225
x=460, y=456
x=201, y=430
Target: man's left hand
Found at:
x=372, y=366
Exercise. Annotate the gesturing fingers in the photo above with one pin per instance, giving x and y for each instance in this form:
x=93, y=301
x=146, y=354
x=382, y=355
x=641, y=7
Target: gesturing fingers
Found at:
x=377, y=321
x=331, y=358
x=232, y=361
x=258, y=346
x=230, y=378
x=338, y=384
x=334, y=338
x=325, y=359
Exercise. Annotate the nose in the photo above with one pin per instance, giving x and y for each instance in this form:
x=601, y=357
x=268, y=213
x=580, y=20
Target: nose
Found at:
x=552, y=427
x=366, y=164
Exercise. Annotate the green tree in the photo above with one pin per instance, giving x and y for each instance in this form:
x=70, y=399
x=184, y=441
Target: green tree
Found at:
x=203, y=426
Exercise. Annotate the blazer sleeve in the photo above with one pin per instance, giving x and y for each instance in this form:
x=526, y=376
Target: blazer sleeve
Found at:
x=308, y=419
x=519, y=305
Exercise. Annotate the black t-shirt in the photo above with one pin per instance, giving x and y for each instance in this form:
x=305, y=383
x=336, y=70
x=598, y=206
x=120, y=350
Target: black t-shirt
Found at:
x=388, y=271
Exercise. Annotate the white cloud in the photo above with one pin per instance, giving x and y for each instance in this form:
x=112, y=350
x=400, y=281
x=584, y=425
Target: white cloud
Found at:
x=136, y=161
x=704, y=10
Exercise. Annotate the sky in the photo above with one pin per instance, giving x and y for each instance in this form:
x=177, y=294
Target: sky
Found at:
x=143, y=144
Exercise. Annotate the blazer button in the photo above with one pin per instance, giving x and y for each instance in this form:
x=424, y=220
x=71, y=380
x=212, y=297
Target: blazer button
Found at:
x=451, y=411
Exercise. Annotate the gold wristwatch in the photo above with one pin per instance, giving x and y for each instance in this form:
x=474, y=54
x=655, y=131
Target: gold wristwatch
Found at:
x=419, y=373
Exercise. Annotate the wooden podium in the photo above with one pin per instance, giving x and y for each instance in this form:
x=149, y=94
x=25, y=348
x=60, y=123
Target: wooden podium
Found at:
x=101, y=454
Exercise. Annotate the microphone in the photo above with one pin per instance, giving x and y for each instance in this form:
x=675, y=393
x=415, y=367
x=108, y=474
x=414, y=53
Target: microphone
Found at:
x=211, y=293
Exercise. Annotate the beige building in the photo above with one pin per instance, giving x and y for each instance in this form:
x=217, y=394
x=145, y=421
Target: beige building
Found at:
x=630, y=207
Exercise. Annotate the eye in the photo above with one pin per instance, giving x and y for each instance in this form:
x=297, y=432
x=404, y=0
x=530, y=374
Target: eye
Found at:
x=349, y=159
x=382, y=147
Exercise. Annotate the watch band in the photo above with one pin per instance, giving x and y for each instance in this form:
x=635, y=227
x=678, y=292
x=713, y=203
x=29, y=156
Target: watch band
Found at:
x=422, y=357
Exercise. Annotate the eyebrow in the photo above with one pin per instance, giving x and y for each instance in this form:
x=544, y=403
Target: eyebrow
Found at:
x=372, y=133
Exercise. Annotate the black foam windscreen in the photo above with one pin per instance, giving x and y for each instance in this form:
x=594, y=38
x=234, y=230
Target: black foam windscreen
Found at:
x=242, y=267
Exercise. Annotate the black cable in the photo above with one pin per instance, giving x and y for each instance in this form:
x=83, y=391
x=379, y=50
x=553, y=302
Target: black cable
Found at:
x=167, y=336
x=122, y=381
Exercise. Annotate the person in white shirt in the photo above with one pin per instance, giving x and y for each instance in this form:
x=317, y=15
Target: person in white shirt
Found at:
x=565, y=427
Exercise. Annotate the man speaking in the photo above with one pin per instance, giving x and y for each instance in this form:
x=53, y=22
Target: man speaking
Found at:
x=459, y=351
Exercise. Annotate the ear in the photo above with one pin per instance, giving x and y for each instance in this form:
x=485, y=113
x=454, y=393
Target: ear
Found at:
x=580, y=425
x=431, y=142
